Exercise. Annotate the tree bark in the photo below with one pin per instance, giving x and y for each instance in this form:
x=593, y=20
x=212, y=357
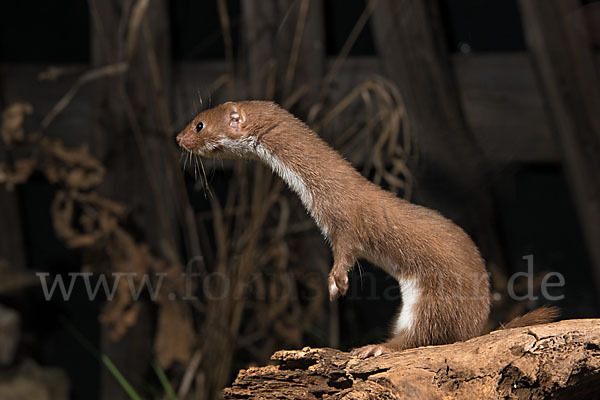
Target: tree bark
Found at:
x=559, y=360
x=570, y=78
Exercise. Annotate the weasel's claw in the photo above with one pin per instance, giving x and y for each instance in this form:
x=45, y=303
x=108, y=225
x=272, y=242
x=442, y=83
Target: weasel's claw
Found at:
x=370, y=350
x=338, y=286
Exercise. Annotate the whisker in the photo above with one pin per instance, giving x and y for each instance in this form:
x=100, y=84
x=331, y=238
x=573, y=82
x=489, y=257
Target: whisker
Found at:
x=195, y=167
x=205, y=186
x=285, y=18
x=212, y=173
x=360, y=271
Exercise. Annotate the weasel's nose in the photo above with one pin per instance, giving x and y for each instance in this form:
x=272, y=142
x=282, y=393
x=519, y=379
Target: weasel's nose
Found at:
x=178, y=137
x=184, y=141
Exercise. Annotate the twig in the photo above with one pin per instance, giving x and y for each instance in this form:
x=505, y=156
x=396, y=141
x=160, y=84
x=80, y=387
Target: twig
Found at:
x=135, y=21
x=294, y=53
x=228, y=42
x=190, y=373
x=348, y=44
x=95, y=74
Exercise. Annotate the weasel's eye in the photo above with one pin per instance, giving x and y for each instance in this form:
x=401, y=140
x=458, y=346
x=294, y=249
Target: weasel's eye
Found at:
x=199, y=127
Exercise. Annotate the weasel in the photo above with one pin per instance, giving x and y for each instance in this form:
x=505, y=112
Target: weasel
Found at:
x=442, y=277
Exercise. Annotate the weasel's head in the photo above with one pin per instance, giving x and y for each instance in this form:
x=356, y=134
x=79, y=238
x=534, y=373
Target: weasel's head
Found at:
x=218, y=132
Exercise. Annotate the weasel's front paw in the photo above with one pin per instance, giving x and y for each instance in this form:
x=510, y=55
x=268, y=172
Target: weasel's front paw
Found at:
x=371, y=350
x=338, y=285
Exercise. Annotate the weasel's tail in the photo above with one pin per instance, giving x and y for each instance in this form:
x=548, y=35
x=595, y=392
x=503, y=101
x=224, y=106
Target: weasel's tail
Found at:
x=542, y=315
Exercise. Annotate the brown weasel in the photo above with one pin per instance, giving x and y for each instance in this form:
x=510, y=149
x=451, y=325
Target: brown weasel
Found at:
x=442, y=277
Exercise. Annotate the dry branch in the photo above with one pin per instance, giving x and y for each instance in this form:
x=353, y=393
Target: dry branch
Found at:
x=559, y=360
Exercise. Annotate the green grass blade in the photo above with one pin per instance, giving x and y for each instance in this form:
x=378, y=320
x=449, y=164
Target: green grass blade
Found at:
x=112, y=368
x=103, y=358
x=164, y=381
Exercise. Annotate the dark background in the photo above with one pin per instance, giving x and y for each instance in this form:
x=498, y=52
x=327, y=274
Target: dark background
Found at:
x=534, y=211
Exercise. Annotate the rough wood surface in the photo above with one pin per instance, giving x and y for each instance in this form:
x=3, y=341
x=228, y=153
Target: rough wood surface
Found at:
x=559, y=360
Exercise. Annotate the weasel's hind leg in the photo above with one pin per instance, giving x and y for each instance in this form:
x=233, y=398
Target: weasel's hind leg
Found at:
x=436, y=321
x=399, y=342
x=371, y=350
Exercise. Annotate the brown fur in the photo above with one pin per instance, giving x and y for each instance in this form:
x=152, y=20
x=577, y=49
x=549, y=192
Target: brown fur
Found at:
x=538, y=316
x=361, y=220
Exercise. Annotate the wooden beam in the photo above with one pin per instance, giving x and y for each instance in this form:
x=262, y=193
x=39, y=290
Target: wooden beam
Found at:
x=504, y=108
x=569, y=76
x=499, y=92
x=500, y=95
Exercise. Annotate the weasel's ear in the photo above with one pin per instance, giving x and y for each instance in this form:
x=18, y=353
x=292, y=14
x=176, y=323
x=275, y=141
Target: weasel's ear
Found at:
x=237, y=116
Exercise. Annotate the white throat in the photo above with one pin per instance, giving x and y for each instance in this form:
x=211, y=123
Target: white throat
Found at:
x=294, y=181
x=246, y=147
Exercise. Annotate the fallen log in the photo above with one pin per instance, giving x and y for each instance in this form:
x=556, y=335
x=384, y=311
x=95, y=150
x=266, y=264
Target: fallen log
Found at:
x=559, y=360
